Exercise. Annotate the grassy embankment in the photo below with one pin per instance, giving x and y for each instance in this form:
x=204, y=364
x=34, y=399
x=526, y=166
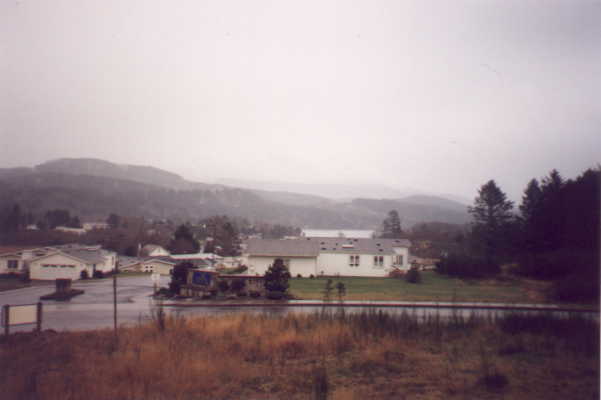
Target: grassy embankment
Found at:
x=434, y=287
x=335, y=356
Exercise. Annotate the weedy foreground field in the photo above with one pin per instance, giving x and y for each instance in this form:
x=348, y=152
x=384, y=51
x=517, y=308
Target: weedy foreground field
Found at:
x=318, y=356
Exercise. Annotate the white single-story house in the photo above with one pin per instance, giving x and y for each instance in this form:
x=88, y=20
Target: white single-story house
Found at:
x=15, y=260
x=330, y=256
x=129, y=263
x=339, y=233
x=69, y=262
x=89, y=226
x=67, y=229
x=300, y=255
x=11, y=262
x=161, y=265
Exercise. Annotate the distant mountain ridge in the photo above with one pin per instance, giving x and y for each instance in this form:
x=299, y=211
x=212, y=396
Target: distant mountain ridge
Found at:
x=95, y=188
x=136, y=173
x=330, y=191
x=339, y=192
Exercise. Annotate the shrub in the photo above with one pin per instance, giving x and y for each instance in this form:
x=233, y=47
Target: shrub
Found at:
x=254, y=293
x=396, y=273
x=98, y=275
x=413, y=276
x=577, y=287
x=495, y=381
x=84, y=274
x=299, y=276
x=223, y=286
x=328, y=289
x=179, y=274
x=465, y=266
x=311, y=276
x=238, y=285
x=321, y=385
x=275, y=295
x=556, y=264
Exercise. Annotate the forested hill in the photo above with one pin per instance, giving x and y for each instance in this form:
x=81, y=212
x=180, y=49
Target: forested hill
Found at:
x=95, y=188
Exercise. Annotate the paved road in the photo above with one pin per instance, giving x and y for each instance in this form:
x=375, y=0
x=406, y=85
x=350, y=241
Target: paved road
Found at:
x=94, y=308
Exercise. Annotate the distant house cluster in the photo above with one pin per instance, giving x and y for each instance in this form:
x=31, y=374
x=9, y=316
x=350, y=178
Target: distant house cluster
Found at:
x=317, y=255
x=156, y=259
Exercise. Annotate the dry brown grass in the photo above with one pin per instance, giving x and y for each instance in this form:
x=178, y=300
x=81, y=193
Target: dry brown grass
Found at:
x=302, y=357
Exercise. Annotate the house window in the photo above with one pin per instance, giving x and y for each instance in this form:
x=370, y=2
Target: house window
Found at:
x=13, y=264
x=398, y=260
x=378, y=261
x=354, y=260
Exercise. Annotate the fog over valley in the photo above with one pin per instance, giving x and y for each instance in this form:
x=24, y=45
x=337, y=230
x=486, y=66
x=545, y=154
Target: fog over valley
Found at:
x=427, y=97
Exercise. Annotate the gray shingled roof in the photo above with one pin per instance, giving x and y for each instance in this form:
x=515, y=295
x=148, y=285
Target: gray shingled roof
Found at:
x=276, y=248
x=311, y=247
x=91, y=256
x=359, y=246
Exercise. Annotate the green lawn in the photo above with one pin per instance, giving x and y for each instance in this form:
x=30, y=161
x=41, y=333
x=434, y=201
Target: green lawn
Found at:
x=434, y=287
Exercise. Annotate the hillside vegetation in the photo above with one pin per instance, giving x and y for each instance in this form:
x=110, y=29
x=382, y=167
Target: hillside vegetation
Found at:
x=94, y=188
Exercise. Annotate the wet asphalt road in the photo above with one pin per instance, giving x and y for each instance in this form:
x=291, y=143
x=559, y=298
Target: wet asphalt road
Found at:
x=94, y=308
x=90, y=310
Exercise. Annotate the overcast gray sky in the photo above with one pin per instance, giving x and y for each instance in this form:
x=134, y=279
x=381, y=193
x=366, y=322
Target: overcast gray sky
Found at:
x=440, y=95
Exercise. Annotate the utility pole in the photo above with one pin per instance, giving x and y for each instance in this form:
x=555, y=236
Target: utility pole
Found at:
x=115, y=300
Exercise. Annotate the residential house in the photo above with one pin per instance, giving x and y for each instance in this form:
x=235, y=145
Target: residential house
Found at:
x=11, y=261
x=70, y=261
x=89, y=226
x=162, y=265
x=300, y=255
x=330, y=256
x=66, y=229
x=15, y=259
x=339, y=233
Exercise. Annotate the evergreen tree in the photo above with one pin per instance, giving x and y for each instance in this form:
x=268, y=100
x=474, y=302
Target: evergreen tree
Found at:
x=184, y=241
x=551, y=223
x=277, y=276
x=531, y=201
x=391, y=226
x=13, y=220
x=54, y=218
x=530, y=210
x=113, y=220
x=492, y=215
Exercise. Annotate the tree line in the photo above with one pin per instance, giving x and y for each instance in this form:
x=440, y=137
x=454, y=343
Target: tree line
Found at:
x=553, y=235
